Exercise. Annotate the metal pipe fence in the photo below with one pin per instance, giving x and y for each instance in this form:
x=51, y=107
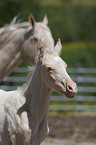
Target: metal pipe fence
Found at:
x=85, y=100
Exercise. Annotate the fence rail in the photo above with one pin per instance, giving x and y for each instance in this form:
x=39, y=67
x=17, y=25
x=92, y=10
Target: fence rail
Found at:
x=85, y=100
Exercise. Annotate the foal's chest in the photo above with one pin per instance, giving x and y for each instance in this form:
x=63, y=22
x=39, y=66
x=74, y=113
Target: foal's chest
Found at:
x=19, y=131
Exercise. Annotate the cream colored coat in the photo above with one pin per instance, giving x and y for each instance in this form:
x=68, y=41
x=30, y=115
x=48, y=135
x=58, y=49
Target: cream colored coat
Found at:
x=18, y=43
x=24, y=112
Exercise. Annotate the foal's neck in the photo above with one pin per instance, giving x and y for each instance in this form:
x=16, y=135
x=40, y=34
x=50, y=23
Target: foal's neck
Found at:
x=37, y=95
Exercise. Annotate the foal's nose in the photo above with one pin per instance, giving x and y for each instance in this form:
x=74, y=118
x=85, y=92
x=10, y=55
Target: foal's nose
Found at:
x=71, y=87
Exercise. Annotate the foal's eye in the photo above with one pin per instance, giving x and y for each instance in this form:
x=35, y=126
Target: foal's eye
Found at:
x=49, y=69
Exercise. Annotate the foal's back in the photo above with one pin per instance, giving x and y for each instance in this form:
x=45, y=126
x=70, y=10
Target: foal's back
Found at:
x=9, y=104
x=5, y=98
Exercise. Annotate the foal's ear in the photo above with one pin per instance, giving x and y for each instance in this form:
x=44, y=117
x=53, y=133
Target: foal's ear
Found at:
x=32, y=20
x=40, y=49
x=45, y=20
x=58, y=47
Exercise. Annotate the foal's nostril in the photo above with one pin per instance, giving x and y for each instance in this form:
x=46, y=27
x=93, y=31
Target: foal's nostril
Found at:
x=70, y=88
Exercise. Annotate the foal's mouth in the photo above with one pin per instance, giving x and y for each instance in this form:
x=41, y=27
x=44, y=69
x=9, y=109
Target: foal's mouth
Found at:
x=69, y=89
x=70, y=95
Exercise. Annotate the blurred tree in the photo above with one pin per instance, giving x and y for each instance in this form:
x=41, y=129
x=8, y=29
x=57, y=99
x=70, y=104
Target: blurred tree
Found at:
x=10, y=8
x=67, y=20
x=31, y=6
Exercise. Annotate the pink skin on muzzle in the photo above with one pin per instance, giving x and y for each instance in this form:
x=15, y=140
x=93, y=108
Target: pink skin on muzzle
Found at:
x=71, y=89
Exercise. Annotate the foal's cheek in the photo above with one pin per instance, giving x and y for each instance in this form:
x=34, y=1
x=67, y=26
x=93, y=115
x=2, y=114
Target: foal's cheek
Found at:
x=52, y=76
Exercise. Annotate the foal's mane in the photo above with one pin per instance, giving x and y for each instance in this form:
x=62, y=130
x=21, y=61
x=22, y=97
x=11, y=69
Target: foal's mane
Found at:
x=31, y=70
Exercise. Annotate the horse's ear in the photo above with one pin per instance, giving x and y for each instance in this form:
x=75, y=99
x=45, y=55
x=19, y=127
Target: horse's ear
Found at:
x=32, y=20
x=40, y=49
x=58, y=47
x=45, y=20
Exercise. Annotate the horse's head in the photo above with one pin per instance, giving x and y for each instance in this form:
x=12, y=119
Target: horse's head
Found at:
x=42, y=31
x=54, y=73
x=39, y=30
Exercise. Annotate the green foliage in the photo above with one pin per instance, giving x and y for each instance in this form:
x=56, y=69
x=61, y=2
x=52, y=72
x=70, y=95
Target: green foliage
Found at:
x=10, y=8
x=67, y=20
x=71, y=22
x=83, y=54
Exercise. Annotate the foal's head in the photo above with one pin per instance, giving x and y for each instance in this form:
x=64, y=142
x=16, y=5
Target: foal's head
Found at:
x=53, y=71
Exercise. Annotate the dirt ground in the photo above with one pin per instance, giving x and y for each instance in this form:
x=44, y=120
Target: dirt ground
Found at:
x=80, y=128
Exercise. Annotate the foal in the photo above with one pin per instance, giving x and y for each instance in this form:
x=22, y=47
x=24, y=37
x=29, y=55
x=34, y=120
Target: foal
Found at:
x=24, y=112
